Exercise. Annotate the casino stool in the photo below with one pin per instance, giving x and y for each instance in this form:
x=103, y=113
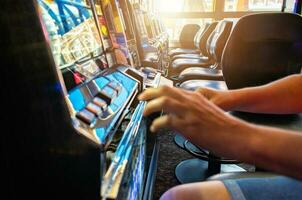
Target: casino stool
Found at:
x=151, y=59
x=215, y=46
x=200, y=44
x=263, y=48
x=186, y=40
x=195, y=51
x=203, y=45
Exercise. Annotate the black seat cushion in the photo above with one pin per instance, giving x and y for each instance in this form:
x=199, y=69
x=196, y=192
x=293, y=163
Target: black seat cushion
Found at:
x=178, y=51
x=188, y=56
x=193, y=73
x=263, y=48
x=151, y=59
x=195, y=84
x=180, y=64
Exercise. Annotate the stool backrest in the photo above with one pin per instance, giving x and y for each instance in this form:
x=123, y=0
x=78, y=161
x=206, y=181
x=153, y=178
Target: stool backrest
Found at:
x=199, y=35
x=188, y=32
x=205, y=36
x=218, y=38
x=262, y=48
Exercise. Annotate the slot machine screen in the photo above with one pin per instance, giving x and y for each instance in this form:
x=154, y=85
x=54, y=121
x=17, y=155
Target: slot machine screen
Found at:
x=74, y=39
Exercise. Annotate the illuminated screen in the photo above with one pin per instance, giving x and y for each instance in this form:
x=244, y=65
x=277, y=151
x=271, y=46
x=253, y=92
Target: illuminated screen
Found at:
x=73, y=37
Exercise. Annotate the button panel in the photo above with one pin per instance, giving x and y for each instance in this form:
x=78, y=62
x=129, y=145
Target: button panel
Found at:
x=101, y=103
x=95, y=109
x=86, y=116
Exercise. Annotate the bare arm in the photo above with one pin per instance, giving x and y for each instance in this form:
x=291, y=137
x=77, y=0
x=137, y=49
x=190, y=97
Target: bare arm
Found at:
x=206, y=125
x=269, y=148
x=280, y=97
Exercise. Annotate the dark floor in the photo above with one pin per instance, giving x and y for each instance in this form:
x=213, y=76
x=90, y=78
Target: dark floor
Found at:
x=170, y=155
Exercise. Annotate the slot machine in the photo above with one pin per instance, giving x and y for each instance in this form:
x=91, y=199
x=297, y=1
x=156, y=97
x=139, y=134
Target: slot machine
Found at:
x=129, y=32
x=110, y=21
x=162, y=39
x=76, y=128
x=150, y=76
x=152, y=35
x=149, y=54
x=121, y=33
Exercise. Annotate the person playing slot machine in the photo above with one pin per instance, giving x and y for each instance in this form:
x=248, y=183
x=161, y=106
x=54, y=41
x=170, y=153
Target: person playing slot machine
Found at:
x=200, y=117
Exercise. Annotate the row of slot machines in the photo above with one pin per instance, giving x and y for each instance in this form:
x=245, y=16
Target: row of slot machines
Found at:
x=72, y=71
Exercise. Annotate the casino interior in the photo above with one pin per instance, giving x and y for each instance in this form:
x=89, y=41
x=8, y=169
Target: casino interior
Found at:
x=79, y=131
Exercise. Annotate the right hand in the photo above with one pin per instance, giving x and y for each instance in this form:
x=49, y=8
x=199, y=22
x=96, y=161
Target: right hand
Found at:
x=222, y=99
x=192, y=115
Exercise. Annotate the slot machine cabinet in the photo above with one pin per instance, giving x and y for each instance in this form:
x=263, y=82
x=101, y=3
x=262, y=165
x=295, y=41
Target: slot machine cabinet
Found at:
x=107, y=41
x=42, y=154
x=149, y=78
x=67, y=109
x=148, y=54
x=110, y=20
x=163, y=39
x=129, y=31
x=152, y=35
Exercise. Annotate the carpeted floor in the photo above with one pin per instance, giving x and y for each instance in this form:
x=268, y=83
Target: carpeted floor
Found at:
x=170, y=155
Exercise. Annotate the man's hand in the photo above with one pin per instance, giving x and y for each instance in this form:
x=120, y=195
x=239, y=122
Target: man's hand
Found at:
x=189, y=113
x=222, y=99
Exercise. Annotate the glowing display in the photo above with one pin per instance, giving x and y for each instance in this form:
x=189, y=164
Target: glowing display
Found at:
x=72, y=32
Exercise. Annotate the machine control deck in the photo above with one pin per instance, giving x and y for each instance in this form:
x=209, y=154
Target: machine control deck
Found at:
x=98, y=107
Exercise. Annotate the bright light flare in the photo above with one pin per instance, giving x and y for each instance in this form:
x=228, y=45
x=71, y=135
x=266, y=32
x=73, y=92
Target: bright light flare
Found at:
x=170, y=5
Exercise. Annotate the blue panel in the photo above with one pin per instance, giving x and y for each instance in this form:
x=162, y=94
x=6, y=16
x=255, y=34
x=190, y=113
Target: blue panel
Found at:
x=127, y=87
x=102, y=82
x=77, y=99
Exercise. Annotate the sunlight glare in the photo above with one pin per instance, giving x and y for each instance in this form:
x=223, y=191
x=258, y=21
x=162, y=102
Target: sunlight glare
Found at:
x=171, y=5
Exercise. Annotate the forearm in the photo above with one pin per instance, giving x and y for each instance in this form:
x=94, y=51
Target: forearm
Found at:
x=278, y=150
x=280, y=97
x=269, y=148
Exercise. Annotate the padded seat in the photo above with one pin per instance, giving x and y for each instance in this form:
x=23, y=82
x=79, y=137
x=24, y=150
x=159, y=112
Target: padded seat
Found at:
x=151, y=60
x=151, y=56
x=189, y=56
x=187, y=39
x=178, y=51
x=215, y=46
x=262, y=48
x=194, y=73
x=195, y=84
x=200, y=44
x=181, y=64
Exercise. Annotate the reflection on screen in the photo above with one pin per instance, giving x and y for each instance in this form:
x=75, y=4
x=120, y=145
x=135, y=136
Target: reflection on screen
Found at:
x=71, y=29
